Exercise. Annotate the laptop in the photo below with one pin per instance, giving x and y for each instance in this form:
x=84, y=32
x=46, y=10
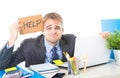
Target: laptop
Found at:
x=92, y=48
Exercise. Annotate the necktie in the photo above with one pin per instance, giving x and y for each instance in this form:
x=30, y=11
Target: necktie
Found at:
x=54, y=54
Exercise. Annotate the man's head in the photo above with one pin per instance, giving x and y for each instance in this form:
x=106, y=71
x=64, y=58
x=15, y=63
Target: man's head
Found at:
x=53, y=28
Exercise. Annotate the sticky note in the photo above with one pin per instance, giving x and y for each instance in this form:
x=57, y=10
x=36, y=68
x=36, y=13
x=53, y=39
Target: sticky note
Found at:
x=10, y=69
x=58, y=62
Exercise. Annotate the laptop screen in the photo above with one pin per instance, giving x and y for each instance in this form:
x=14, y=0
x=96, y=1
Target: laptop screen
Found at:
x=93, y=48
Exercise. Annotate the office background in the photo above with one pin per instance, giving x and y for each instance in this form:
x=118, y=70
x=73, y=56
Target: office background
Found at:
x=81, y=17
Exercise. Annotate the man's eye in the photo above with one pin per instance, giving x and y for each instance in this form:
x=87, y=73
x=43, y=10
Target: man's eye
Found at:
x=57, y=28
x=49, y=28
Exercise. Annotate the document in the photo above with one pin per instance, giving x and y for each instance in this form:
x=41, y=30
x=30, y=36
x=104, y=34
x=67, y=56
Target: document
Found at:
x=44, y=68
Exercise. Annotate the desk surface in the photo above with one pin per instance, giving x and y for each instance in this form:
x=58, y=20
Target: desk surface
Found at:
x=109, y=70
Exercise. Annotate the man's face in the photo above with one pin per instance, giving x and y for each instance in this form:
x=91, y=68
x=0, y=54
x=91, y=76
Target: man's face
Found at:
x=52, y=31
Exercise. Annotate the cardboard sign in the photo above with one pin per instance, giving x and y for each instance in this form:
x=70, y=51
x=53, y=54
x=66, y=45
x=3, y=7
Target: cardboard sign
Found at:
x=31, y=24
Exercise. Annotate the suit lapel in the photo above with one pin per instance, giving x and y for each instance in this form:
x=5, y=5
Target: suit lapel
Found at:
x=41, y=48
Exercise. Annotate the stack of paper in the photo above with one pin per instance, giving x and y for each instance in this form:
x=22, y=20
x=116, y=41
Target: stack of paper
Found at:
x=44, y=68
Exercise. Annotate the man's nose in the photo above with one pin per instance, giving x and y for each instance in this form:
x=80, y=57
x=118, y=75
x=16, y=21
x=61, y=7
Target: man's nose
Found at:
x=53, y=30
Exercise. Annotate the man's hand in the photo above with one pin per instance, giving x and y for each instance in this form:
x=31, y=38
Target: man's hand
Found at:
x=13, y=29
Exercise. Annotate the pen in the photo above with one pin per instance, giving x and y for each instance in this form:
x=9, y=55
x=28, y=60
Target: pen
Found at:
x=69, y=65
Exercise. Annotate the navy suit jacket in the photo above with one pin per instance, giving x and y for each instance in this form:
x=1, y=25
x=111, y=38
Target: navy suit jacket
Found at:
x=32, y=51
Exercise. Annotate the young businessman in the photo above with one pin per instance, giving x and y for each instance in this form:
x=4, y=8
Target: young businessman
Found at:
x=38, y=50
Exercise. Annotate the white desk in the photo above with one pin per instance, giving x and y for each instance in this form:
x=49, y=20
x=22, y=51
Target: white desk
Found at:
x=110, y=70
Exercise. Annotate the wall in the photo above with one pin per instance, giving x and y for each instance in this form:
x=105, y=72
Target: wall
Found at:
x=85, y=14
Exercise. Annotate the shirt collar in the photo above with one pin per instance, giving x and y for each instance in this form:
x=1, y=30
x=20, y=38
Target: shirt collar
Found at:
x=49, y=47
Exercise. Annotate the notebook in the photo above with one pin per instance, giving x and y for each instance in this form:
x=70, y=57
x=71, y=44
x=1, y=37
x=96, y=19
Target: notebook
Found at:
x=93, y=48
x=44, y=68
